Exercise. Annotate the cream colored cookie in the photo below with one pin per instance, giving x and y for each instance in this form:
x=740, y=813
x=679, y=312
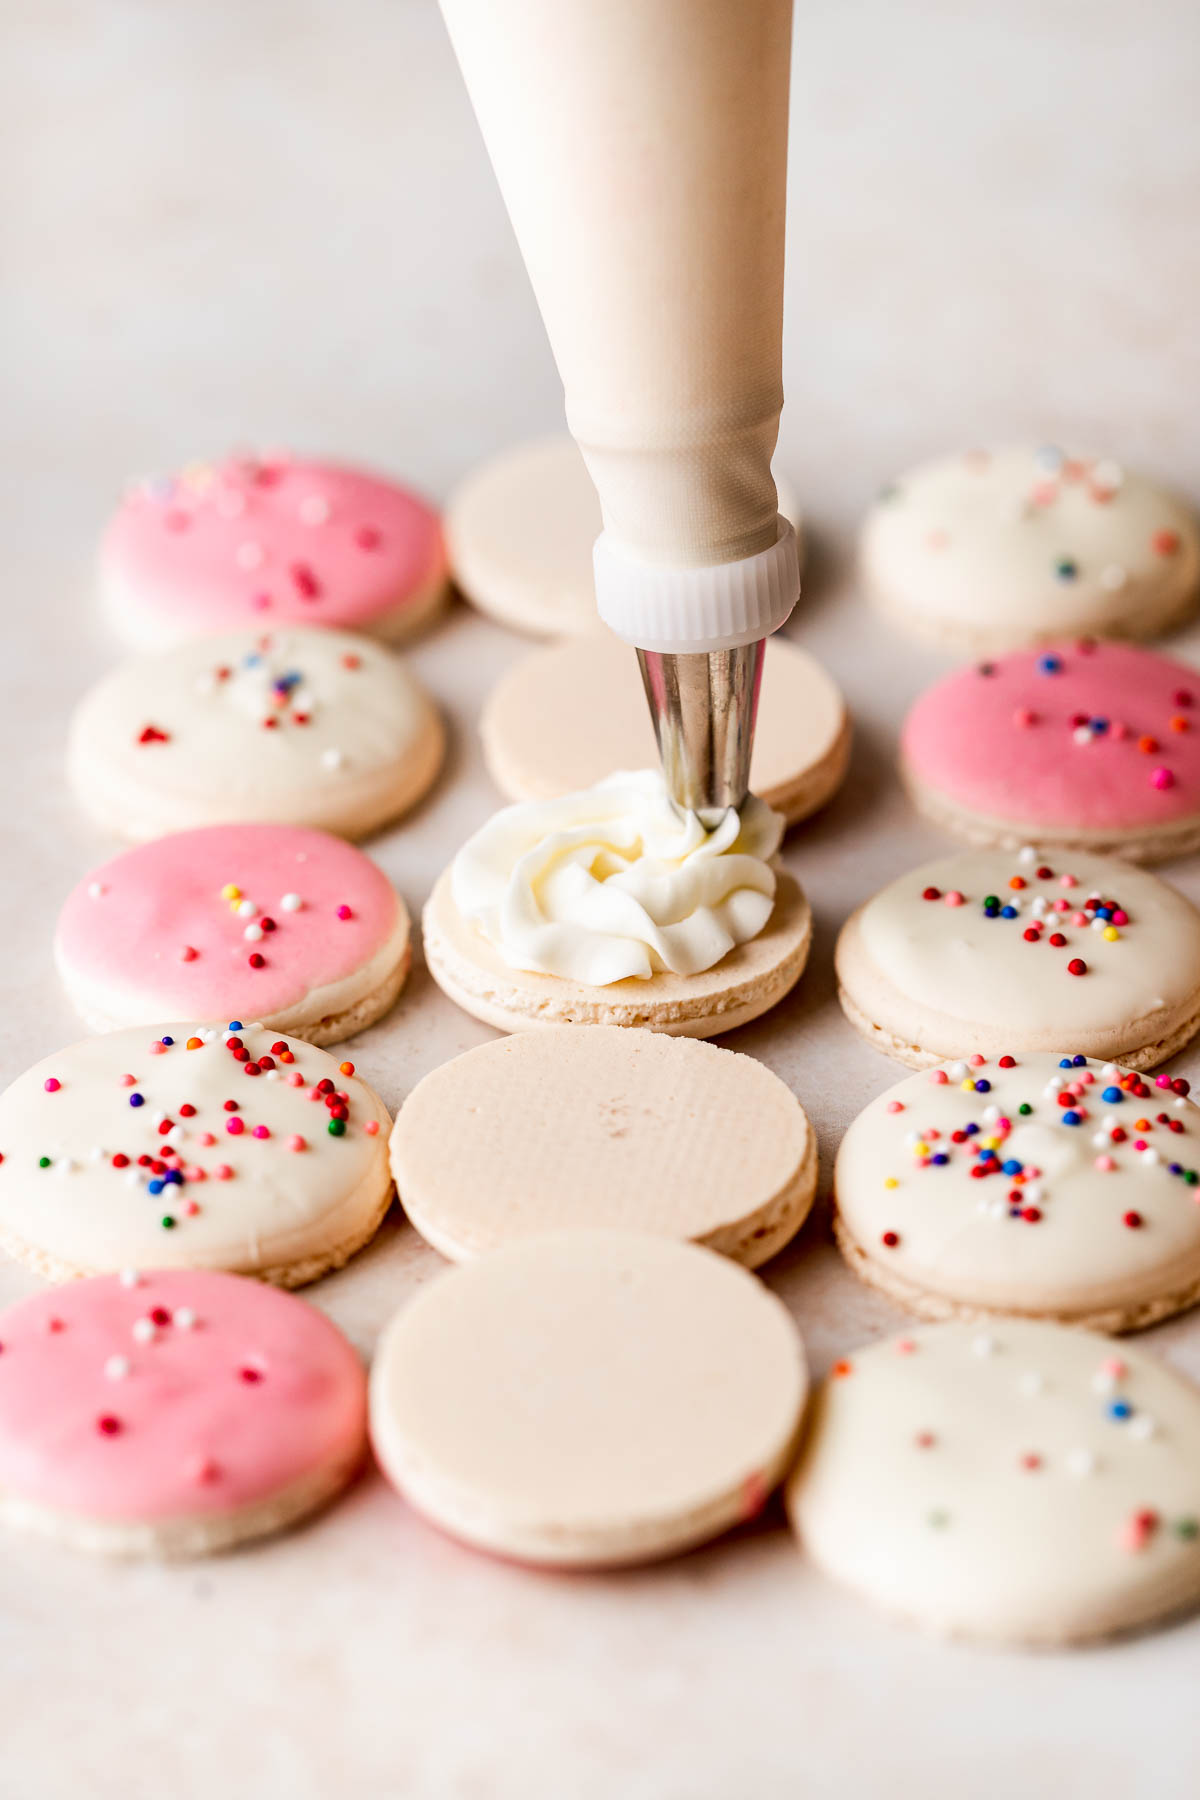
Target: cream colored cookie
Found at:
x=589, y=1398
x=520, y=530
x=561, y=1129
x=154, y=1147
x=293, y=727
x=1029, y=1484
x=999, y=953
x=572, y=713
x=993, y=550
x=1044, y=1185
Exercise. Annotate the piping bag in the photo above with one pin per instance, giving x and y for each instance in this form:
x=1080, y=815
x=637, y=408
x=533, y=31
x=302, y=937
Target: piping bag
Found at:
x=641, y=149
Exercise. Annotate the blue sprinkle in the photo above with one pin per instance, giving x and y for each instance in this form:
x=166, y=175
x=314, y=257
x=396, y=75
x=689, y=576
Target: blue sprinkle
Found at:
x=1099, y=724
x=156, y=1186
x=252, y=661
x=940, y=1158
x=971, y=1130
x=173, y=1177
x=1112, y=1096
x=983, y=1087
x=1014, y=1212
x=137, y=1099
x=1175, y=1168
x=988, y=1156
x=1012, y=1166
x=167, y=1041
x=1079, y=1062
x=1071, y=1117
x=1049, y=665
x=1119, y=1409
x=1064, y=1062
x=235, y=1025
x=1066, y=569
x=1008, y=912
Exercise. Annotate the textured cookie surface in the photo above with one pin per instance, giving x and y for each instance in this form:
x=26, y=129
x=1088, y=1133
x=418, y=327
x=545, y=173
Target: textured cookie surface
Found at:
x=520, y=531
x=562, y=1129
x=172, y=1413
x=264, y=542
x=296, y=727
x=1034, y=1184
x=995, y=951
x=266, y=922
x=572, y=713
x=995, y=549
x=589, y=1398
x=1030, y=1483
x=153, y=1146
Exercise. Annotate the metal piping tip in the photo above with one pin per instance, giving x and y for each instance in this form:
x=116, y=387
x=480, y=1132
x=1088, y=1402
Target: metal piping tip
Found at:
x=704, y=707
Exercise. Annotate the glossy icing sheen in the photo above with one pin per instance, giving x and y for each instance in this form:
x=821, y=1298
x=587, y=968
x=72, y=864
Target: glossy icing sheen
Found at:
x=1023, y=1481
x=1037, y=1187
x=238, y=1393
x=244, y=1201
x=299, y=727
x=1039, y=540
x=155, y=928
x=959, y=961
x=263, y=542
x=610, y=882
x=1088, y=735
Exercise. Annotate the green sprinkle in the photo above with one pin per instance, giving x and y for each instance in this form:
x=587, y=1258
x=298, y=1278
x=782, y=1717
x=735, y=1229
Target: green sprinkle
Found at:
x=337, y=1127
x=1187, y=1528
x=1066, y=569
x=991, y=900
x=1190, y=1176
x=167, y=1222
x=1024, y=1108
x=43, y=1162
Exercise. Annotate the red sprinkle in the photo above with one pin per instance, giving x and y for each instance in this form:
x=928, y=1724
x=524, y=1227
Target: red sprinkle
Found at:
x=932, y=893
x=257, y=961
x=1132, y=1219
x=1077, y=966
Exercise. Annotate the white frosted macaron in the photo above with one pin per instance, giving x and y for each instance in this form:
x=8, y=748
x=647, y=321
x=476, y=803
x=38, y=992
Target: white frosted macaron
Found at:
x=520, y=530
x=589, y=1398
x=997, y=549
x=1050, y=1186
x=561, y=1129
x=295, y=727
x=1003, y=952
x=1024, y=1483
x=571, y=713
x=204, y=1146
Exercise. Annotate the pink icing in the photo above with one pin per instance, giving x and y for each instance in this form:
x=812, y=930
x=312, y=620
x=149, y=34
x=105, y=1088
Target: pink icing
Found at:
x=131, y=923
x=247, y=542
x=1007, y=739
x=259, y=1392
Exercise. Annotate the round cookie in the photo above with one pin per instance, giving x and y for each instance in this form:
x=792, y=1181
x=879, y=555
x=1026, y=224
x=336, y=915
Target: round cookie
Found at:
x=172, y=1414
x=589, y=1398
x=1044, y=1185
x=289, y=927
x=570, y=714
x=1031, y=1484
x=561, y=1129
x=270, y=541
x=1092, y=745
x=520, y=530
x=150, y=1147
x=993, y=550
x=298, y=727
x=1000, y=953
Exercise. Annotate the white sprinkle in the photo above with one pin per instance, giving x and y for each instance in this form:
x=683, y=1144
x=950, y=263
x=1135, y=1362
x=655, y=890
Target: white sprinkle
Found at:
x=97, y=890
x=332, y=758
x=1113, y=577
x=97, y=1153
x=302, y=700
x=1034, y=1193
x=990, y=1114
x=1099, y=924
x=1055, y=1082
x=273, y=1074
x=1032, y=1382
x=1083, y=734
x=1100, y=1140
x=176, y=1135
x=133, y=1178
x=986, y=1207
x=957, y=1071
x=1103, y=1382
x=145, y=1330
x=252, y=933
x=183, y=1317
x=246, y=909
x=983, y=1345
x=65, y=1165
x=1080, y=1462
x=1179, y=1103
x=1040, y=903
x=1109, y=1070
x=1027, y=854
x=313, y=509
x=1142, y=1427
x=291, y=903
x=1108, y=474
x=1049, y=457
x=998, y=1208
x=1150, y=1154
x=249, y=555
x=117, y=1368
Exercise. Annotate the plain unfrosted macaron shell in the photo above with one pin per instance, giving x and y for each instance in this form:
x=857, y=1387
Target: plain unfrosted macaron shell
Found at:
x=1000, y=953
x=172, y=1414
x=748, y=982
x=289, y=927
x=1092, y=745
x=570, y=714
x=191, y=1146
x=1030, y=1483
x=993, y=550
x=294, y=727
x=589, y=1398
x=269, y=541
x=1054, y=1187
x=520, y=531
x=560, y=1129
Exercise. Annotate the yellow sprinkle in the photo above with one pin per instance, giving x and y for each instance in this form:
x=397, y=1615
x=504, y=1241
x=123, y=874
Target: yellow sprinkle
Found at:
x=230, y=892
x=889, y=1181
x=1111, y=933
x=921, y=1149
x=992, y=1143
x=967, y=1086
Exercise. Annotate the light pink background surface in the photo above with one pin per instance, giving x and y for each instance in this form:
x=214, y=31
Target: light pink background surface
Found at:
x=276, y=224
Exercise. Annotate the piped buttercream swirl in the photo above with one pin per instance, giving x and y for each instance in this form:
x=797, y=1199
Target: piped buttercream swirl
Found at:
x=612, y=882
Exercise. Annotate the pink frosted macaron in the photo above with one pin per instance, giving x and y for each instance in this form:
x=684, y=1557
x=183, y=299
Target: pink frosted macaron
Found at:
x=172, y=1414
x=270, y=541
x=1089, y=745
x=273, y=923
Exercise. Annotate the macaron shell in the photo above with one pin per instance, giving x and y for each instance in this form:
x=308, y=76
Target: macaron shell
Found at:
x=299, y=727
x=996, y=1484
x=156, y=932
x=267, y=542
x=238, y=1395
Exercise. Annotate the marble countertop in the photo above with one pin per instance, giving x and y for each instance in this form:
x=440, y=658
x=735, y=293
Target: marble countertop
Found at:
x=275, y=224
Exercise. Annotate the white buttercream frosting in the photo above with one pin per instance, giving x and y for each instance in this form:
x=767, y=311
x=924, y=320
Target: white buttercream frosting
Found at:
x=612, y=882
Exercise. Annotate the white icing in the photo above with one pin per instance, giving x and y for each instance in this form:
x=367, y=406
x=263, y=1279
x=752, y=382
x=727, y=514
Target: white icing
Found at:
x=612, y=882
